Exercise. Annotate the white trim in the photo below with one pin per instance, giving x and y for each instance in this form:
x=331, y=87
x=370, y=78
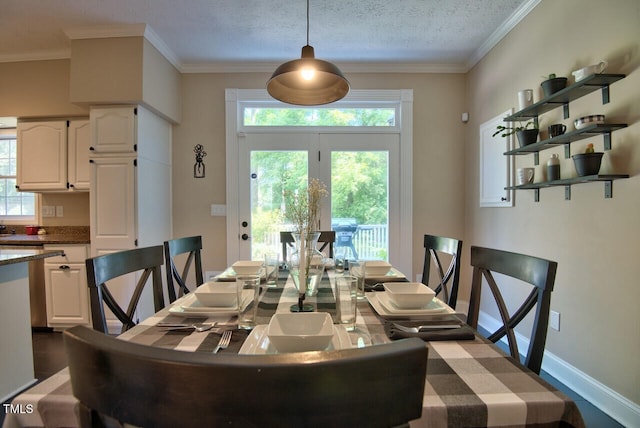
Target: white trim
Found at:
x=501, y=32
x=606, y=399
x=234, y=99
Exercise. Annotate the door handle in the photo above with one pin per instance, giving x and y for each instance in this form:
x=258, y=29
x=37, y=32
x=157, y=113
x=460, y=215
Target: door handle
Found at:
x=245, y=237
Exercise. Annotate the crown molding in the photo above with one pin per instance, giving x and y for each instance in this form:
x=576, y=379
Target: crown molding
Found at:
x=347, y=67
x=501, y=32
x=37, y=56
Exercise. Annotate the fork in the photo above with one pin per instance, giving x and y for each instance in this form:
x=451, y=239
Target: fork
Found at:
x=420, y=328
x=224, y=341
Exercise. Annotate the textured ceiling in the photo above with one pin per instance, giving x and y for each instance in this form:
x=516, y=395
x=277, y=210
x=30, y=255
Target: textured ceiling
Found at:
x=201, y=34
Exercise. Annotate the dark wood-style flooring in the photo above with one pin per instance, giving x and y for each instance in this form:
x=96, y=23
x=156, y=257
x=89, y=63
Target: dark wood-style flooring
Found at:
x=49, y=358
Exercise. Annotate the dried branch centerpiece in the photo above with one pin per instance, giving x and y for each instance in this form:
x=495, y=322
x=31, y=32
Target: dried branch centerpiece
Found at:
x=306, y=263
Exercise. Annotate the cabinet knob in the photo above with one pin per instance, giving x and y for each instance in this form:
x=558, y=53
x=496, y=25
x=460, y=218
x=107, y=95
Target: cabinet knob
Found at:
x=91, y=148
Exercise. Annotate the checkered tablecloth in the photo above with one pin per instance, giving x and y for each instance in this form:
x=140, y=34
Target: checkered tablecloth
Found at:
x=470, y=383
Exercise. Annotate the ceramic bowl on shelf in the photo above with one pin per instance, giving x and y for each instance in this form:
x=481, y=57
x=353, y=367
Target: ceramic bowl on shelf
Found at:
x=300, y=332
x=587, y=163
x=409, y=295
x=588, y=120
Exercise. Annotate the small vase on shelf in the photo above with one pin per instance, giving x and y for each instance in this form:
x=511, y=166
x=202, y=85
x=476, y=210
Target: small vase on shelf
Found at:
x=553, y=168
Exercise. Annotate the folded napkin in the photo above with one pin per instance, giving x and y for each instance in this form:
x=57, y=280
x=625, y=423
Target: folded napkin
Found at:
x=463, y=333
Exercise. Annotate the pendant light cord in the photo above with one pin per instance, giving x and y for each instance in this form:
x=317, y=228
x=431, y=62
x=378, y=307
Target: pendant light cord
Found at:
x=307, y=22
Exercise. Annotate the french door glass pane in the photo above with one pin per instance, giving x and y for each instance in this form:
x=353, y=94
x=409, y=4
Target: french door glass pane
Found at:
x=360, y=203
x=273, y=172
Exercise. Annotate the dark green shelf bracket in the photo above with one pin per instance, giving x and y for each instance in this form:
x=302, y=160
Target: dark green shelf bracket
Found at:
x=608, y=189
x=567, y=151
x=607, y=140
x=536, y=195
x=565, y=109
x=605, y=94
x=567, y=193
x=536, y=158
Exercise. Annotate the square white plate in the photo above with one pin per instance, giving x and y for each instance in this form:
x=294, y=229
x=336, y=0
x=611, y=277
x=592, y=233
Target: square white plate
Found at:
x=389, y=276
x=385, y=308
x=258, y=343
x=230, y=275
x=191, y=306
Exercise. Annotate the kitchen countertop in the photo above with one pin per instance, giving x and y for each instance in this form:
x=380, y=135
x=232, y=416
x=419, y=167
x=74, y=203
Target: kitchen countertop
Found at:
x=18, y=239
x=13, y=255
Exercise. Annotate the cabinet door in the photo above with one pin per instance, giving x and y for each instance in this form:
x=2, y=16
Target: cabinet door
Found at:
x=112, y=204
x=113, y=130
x=67, y=295
x=42, y=155
x=79, y=141
x=496, y=170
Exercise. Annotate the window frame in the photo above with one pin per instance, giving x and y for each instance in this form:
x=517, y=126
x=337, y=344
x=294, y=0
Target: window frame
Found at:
x=11, y=134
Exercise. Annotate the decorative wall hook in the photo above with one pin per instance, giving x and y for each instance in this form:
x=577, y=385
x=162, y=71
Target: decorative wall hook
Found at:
x=198, y=167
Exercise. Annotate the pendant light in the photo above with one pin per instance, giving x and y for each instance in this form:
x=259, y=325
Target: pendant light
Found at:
x=308, y=81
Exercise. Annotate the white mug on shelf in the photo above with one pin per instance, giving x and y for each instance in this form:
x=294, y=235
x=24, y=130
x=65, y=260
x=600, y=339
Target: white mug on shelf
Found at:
x=525, y=98
x=525, y=176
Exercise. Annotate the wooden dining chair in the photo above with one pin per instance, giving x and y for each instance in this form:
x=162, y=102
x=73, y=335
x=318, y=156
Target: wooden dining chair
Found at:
x=192, y=247
x=434, y=248
x=101, y=269
x=327, y=239
x=539, y=273
x=375, y=386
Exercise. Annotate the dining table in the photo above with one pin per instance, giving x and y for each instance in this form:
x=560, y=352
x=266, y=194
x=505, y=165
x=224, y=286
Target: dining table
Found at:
x=470, y=381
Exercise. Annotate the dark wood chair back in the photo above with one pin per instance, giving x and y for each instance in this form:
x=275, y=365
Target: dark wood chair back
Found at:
x=104, y=268
x=375, y=386
x=192, y=247
x=449, y=280
x=537, y=272
x=327, y=239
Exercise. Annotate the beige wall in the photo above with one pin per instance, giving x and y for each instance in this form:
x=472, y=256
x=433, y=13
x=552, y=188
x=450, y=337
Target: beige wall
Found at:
x=438, y=154
x=37, y=89
x=593, y=239
x=75, y=207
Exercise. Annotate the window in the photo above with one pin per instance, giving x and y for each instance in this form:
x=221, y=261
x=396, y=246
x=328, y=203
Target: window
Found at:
x=18, y=207
x=304, y=116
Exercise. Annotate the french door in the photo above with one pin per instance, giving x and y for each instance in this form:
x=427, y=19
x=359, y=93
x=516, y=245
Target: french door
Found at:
x=360, y=170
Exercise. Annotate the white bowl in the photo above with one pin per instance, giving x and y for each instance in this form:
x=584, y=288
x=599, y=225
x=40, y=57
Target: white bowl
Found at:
x=409, y=295
x=222, y=294
x=299, y=332
x=588, y=120
x=377, y=267
x=247, y=267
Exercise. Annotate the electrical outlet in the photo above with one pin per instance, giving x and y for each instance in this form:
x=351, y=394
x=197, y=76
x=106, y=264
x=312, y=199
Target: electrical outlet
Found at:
x=554, y=320
x=59, y=211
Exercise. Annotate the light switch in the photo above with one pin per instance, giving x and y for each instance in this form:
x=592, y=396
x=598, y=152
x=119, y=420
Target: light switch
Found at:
x=59, y=211
x=218, y=210
x=48, y=211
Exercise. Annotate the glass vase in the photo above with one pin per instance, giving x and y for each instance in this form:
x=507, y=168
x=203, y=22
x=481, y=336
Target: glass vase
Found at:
x=313, y=262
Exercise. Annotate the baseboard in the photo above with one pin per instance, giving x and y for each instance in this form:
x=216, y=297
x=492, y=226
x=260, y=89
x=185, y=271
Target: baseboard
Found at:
x=606, y=399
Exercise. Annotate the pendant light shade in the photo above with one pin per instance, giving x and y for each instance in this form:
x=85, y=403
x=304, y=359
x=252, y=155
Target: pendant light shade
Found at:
x=308, y=81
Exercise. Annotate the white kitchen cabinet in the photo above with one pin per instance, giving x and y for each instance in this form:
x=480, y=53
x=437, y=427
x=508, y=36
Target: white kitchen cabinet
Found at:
x=114, y=130
x=79, y=139
x=67, y=295
x=42, y=155
x=52, y=156
x=130, y=192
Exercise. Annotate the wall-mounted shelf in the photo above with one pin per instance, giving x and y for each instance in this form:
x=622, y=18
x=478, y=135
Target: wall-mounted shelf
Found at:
x=563, y=97
x=566, y=140
x=568, y=182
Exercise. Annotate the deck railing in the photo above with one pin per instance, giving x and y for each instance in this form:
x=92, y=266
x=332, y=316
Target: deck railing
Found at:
x=371, y=242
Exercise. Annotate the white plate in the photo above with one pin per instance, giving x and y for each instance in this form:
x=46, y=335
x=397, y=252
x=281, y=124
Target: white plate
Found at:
x=385, y=308
x=258, y=343
x=230, y=275
x=392, y=274
x=191, y=306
